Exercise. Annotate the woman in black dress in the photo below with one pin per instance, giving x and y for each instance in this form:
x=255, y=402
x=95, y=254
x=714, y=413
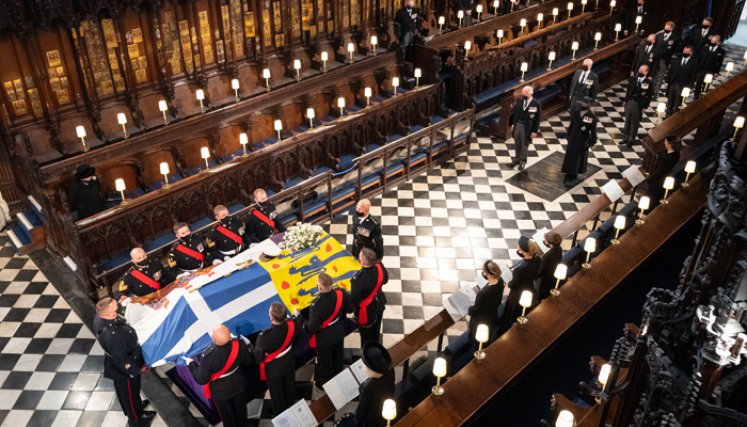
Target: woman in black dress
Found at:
x=485, y=310
x=524, y=274
x=665, y=162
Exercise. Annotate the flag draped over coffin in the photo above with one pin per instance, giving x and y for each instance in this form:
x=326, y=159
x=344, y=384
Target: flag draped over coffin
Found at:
x=181, y=326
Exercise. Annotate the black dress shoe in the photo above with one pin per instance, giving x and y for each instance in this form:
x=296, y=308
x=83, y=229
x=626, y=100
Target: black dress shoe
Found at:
x=513, y=164
x=569, y=177
x=622, y=142
x=146, y=402
x=145, y=420
x=521, y=166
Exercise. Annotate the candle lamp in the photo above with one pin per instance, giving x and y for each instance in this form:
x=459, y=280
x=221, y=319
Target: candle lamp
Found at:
x=441, y=22
x=689, y=170
x=278, y=125
x=478, y=9
x=467, y=48
x=738, y=124
x=374, y=42
x=122, y=120
x=604, y=376
x=618, y=28
x=619, y=224
x=164, y=169
x=524, y=68
x=417, y=73
x=310, y=114
x=119, y=185
x=561, y=273
x=205, y=154
x=163, y=107
x=266, y=76
x=583, y=6
x=499, y=34
x=522, y=24
x=540, y=18
x=200, y=95
x=80, y=131
x=555, y=12
x=235, y=86
x=597, y=39
x=565, y=419
x=481, y=336
x=341, y=105
x=389, y=411
x=685, y=93
x=745, y=57
x=496, y=4
x=613, y=3
x=707, y=79
x=729, y=68
x=297, y=67
x=638, y=20
x=643, y=204
x=574, y=48
x=551, y=58
x=590, y=246
x=570, y=9
x=525, y=301
x=367, y=93
x=351, y=51
x=395, y=84
x=324, y=57
x=668, y=186
x=439, y=371
x=661, y=109
x=243, y=140
x=512, y=2
x=460, y=16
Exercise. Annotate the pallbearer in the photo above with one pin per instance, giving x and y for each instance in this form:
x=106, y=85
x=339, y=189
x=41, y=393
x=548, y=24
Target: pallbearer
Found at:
x=262, y=220
x=188, y=253
x=366, y=230
x=227, y=238
x=367, y=295
x=277, y=361
x=146, y=276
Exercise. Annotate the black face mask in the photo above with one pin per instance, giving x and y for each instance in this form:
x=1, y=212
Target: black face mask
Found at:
x=641, y=75
x=524, y=97
x=485, y=276
x=714, y=44
x=705, y=27
x=685, y=55
x=359, y=213
x=587, y=68
x=667, y=31
x=649, y=42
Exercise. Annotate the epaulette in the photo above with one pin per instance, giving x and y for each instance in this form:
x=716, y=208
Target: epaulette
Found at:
x=122, y=286
x=208, y=350
x=209, y=242
x=170, y=260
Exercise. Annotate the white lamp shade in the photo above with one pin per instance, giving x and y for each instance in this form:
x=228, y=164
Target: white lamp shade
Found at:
x=235, y=84
x=739, y=122
x=618, y=27
x=496, y=3
x=341, y=102
x=729, y=66
x=367, y=92
x=561, y=272
x=685, y=92
x=310, y=113
x=551, y=56
x=324, y=56
x=418, y=73
x=565, y=419
x=478, y=8
x=460, y=14
x=482, y=333
x=80, y=131
x=164, y=168
x=441, y=20
x=389, y=410
x=590, y=245
x=243, y=138
x=574, y=46
x=620, y=222
x=374, y=40
x=278, y=124
x=540, y=17
x=204, y=153
x=439, y=367
x=638, y=19
x=583, y=2
x=200, y=94
x=555, y=11
x=668, y=183
x=266, y=73
x=524, y=67
x=570, y=6
x=690, y=166
x=296, y=64
x=523, y=22
x=613, y=3
x=745, y=55
x=597, y=36
x=119, y=184
x=526, y=299
x=467, y=45
x=604, y=374
x=708, y=79
x=122, y=118
x=395, y=81
x=661, y=108
x=644, y=203
x=351, y=47
x=499, y=33
x=162, y=106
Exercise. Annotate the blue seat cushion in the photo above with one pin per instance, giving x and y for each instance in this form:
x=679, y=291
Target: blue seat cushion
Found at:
x=394, y=168
x=292, y=182
x=371, y=147
x=235, y=208
x=415, y=158
x=320, y=170
x=115, y=262
x=392, y=138
x=200, y=223
x=435, y=119
x=158, y=242
x=415, y=128
x=346, y=161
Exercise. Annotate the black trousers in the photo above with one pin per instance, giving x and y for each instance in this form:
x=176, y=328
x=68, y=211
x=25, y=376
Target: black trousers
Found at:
x=329, y=362
x=128, y=395
x=371, y=332
x=232, y=410
x=282, y=392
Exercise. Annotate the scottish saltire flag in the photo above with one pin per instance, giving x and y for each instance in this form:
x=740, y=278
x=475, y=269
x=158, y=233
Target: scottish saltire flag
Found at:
x=239, y=297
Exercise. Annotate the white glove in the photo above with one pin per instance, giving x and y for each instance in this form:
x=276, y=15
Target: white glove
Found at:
x=217, y=262
x=188, y=360
x=125, y=302
x=245, y=339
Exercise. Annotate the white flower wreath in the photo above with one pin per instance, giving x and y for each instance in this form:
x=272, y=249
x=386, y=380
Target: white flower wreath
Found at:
x=301, y=236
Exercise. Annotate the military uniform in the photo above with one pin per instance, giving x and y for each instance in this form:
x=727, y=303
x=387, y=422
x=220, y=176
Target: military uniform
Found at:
x=274, y=352
x=187, y=254
x=326, y=325
x=143, y=279
x=637, y=98
x=122, y=363
x=367, y=295
x=367, y=234
x=224, y=382
x=262, y=222
x=226, y=239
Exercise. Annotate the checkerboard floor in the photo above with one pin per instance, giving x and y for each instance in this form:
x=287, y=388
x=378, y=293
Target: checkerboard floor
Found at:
x=437, y=230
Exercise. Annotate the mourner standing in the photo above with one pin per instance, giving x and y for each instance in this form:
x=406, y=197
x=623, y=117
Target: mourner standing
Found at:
x=710, y=60
x=524, y=122
x=584, y=86
x=326, y=326
x=123, y=362
x=700, y=37
x=189, y=252
x=645, y=54
x=665, y=162
x=681, y=74
x=219, y=370
x=667, y=44
x=377, y=388
x=227, y=237
x=487, y=301
x=276, y=358
x=637, y=98
x=524, y=274
x=409, y=19
x=87, y=192
x=582, y=135
x=262, y=221
x=366, y=230
x=367, y=295
x=146, y=276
